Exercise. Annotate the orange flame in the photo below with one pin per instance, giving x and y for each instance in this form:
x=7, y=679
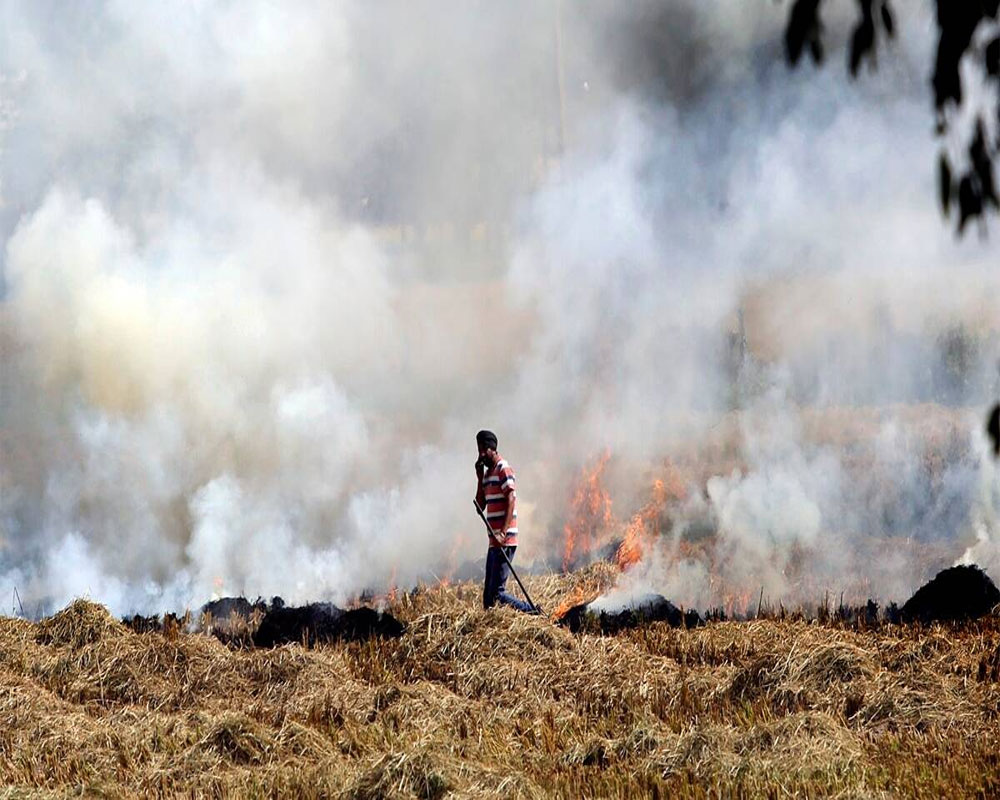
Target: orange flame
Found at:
x=630, y=550
x=590, y=512
x=737, y=604
x=579, y=596
x=451, y=565
x=592, y=524
x=645, y=524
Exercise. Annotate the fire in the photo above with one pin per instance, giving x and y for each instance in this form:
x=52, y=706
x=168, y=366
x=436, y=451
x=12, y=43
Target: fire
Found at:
x=644, y=526
x=593, y=524
x=393, y=592
x=579, y=596
x=737, y=604
x=630, y=550
x=590, y=512
x=451, y=565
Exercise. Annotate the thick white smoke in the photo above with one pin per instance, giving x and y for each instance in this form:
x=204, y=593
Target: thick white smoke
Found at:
x=266, y=270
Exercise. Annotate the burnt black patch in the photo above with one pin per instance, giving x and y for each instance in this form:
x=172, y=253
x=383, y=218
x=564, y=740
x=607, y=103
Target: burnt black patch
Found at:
x=360, y=624
x=654, y=608
x=958, y=593
x=324, y=622
x=226, y=607
x=304, y=624
x=140, y=624
x=575, y=618
x=169, y=623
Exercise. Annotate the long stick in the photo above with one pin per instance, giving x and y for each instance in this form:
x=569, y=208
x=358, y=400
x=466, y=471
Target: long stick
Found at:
x=503, y=552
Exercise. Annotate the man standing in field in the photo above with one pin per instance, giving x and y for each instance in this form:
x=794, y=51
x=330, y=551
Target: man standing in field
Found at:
x=495, y=494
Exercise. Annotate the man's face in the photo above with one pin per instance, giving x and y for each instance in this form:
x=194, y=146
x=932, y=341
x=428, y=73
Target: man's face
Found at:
x=487, y=454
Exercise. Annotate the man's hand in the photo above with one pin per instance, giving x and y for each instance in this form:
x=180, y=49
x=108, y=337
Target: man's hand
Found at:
x=480, y=468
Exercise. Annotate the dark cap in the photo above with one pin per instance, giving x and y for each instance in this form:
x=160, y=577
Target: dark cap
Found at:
x=487, y=439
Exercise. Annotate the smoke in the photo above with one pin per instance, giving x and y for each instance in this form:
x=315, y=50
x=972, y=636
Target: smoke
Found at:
x=267, y=269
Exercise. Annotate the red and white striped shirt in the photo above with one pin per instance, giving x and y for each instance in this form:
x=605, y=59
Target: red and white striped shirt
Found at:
x=498, y=493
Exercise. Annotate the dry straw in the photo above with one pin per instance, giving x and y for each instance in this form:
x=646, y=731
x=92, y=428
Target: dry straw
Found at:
x=471, y=703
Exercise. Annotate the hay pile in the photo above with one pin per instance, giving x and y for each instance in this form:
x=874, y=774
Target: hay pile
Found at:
x=469, y=703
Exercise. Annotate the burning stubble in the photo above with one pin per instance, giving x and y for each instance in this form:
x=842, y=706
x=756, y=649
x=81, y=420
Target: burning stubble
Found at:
x=265, y=274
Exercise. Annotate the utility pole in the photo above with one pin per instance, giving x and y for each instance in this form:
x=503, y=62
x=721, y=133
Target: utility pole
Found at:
x=560, y=78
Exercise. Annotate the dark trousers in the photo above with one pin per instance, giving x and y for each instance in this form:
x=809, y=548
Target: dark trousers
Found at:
x=495, y=586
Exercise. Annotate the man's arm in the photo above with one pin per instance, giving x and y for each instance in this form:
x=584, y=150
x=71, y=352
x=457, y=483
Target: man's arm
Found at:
x=508, y=523
x=480, y=493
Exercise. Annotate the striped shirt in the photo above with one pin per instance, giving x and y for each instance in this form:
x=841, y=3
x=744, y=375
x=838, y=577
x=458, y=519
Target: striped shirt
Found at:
x=498, y=492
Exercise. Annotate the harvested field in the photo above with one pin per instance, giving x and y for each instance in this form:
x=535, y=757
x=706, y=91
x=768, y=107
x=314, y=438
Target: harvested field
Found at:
x=468, y=703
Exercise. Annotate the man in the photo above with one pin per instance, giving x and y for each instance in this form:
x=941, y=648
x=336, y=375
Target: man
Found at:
x=496, y=496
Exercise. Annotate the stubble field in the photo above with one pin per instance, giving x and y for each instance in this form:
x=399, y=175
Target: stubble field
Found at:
x=470, y=703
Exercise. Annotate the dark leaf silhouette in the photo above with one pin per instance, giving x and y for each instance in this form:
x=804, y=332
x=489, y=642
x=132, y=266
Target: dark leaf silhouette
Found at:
x=970, y=204
x=993, y=57
x=944, y=183
x=982, y=166
x=887, y=20
x=863, y=39
x=993, y=429
x=816, y=48
x=862, y=43
x=958, y=22
x=803, y=28
x=974, y=189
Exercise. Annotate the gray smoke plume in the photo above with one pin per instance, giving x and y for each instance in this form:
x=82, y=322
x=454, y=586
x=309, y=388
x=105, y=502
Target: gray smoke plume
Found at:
x=266, y=270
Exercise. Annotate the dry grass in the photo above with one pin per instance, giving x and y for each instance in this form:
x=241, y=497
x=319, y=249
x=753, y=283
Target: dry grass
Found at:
x=479, y=704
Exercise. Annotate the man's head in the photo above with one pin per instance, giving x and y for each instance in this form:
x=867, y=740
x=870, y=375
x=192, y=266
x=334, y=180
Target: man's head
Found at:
x=486, y=441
